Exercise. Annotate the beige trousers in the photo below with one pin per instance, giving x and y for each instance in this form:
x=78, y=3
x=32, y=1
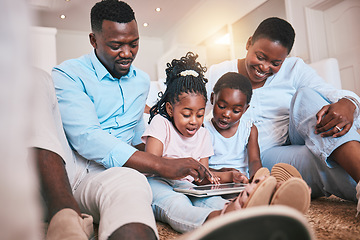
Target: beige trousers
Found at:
x=120, y=196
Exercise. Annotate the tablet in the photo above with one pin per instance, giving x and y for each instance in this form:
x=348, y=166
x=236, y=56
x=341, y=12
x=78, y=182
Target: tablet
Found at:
x=212, y=189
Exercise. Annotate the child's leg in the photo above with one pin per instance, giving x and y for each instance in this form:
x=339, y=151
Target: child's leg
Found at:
x=175, y=208
x=214, y=202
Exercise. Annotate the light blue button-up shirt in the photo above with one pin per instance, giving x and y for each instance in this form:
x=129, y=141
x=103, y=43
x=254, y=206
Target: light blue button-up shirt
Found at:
x=102, y=115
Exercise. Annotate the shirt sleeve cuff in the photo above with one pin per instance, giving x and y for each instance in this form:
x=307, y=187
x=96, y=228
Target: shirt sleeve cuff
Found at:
x=118, y=155
x=356, y=103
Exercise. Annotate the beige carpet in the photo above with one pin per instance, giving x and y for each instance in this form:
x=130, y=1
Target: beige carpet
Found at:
x=331, y=218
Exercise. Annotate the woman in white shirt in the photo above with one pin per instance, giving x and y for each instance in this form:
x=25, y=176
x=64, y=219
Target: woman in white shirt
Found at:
x=301, y=120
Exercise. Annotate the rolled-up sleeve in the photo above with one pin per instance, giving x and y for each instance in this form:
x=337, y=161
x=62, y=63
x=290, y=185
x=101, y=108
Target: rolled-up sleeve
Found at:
x=307, y=77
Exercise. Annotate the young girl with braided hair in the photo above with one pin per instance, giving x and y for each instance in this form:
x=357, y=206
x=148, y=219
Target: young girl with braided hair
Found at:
x=176, y=130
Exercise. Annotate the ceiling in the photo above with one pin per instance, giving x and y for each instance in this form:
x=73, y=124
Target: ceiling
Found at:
x=77, y=12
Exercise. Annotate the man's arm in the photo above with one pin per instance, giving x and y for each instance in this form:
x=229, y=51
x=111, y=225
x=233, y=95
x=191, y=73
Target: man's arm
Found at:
x=54, y=182
x=168, y=168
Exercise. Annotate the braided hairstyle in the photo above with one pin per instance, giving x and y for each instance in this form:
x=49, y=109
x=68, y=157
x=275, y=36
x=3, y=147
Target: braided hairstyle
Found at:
x=182, y=76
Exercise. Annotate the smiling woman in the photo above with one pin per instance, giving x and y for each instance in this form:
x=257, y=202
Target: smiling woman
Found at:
x=264, y=59
x=301, y=120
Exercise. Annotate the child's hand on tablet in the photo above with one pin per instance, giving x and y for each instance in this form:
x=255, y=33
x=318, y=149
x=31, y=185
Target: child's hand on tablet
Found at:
x=238, y=177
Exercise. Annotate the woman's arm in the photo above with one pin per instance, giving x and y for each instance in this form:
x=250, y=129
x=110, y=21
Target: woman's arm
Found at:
x=340, y=112
x=253, y=152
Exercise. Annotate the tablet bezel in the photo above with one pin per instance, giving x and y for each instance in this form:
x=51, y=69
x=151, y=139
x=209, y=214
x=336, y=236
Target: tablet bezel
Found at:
x=212, y=189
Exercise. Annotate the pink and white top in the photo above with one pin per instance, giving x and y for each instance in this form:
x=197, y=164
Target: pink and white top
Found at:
x=176, y=145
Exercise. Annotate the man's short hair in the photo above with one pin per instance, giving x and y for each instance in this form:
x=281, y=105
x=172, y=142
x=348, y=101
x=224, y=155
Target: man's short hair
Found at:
x=112, y=10
x=275, y=29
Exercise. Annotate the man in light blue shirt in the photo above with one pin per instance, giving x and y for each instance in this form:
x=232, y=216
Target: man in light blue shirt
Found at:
x=101, y=99
x=98, y=109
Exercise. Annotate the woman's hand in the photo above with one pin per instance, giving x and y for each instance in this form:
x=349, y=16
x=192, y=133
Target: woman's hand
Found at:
x=335, y=119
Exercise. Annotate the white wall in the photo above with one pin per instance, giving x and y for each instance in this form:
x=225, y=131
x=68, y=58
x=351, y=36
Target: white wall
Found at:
x=245, y=27
x=73, y=44
x=206, y=19
x=154, y=53
x=176, y=53
x=150, y=50
x=43, y=48
x=295, y=12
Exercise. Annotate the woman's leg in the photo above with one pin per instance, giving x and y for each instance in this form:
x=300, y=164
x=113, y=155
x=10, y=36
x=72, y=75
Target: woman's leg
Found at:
x=322, y=179
x=331, y=175
x=304, y=107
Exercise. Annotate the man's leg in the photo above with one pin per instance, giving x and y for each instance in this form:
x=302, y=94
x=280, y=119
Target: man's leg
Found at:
x=133, y=231
x=63, y=211
x=119, y=199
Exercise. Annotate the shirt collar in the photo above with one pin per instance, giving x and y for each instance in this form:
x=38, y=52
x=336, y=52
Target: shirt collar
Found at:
x=102, y=72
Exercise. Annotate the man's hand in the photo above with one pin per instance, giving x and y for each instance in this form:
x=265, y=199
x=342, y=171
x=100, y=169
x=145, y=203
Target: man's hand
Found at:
x=335, y=119
x=168, y=168
x=182, y=167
